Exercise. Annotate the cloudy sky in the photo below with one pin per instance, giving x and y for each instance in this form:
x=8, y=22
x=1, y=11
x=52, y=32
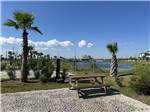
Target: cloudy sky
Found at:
x=86, y=27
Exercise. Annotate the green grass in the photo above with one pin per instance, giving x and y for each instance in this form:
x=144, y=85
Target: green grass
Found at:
x=127, y=91
x=16, y=86
x=8, y=86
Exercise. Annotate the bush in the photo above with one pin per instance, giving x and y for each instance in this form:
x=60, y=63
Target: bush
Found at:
x=3, y=66
x=11, y=72
x=64, y=74
x=47, y=70
x=43, y=79
x=37, y=74
x=109, y=80
x=140, y=81
x=119, y=82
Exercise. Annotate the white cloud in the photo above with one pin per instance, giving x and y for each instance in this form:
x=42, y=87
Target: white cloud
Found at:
x=44, y=44
x=10, y=40
x=82, y=43
x=89, y=45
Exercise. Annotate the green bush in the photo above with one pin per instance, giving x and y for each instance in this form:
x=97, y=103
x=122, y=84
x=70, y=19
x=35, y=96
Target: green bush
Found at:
x=3, y=66
x=119, y=82
x=47, y=70
x=37, y=74
x=11, y=72
x=109, y=80
x=64, y=74
x=140, y=81
x=43, y=79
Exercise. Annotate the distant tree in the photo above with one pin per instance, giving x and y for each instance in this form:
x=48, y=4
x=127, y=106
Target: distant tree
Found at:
x=113, y=48
x=10, y=56
x=24, y=22
x=30, y=51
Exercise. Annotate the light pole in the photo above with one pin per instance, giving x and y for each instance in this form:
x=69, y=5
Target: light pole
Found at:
x=74, y=59
x=93, y=64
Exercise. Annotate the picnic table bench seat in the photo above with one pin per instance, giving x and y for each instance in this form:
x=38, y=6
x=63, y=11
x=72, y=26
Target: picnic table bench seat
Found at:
x=93, y=79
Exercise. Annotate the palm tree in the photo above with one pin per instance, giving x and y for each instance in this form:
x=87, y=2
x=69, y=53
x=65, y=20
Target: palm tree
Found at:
x=24, y=22
x=30, y=51
x=11, y=56
x=113, y=48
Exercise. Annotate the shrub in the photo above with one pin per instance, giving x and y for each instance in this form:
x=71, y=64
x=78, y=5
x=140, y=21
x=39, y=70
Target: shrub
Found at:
x=64, y=74
x=11, y=72
x=47, y=70
x=119, y=82
x=3, y=66
x=43, y=79
x=110, y=81
x=37, y=74
x=140, y=81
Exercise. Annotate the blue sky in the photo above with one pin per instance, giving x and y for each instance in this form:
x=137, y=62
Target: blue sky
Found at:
x=98, y=23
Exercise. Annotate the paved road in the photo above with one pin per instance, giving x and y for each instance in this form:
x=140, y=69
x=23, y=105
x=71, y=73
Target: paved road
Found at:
x=64, y=100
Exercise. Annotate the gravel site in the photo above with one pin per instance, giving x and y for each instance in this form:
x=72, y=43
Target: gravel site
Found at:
x=65, y=100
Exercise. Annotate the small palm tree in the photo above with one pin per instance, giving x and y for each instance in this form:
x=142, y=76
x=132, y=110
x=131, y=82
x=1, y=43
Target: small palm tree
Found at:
x=11, y=56
x=30, y=51
x=113, y=48
x=24, y=22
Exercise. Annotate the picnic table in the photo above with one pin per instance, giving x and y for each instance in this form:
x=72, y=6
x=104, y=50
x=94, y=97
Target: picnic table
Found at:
x=93, y=79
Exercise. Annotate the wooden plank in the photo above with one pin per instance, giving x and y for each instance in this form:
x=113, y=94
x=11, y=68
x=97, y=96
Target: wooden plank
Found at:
x=86, y=76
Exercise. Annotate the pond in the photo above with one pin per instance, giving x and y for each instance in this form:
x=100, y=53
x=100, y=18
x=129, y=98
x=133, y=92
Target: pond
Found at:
x=104, y=65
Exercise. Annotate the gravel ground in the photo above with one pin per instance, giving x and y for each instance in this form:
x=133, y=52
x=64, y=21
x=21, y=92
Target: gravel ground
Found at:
x=65, y=100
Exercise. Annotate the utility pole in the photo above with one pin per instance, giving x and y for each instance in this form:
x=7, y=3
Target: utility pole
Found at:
x=93, y=64
x=6, y=55
x=74, y=59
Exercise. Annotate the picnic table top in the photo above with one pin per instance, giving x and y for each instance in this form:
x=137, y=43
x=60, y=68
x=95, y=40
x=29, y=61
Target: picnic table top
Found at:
x=89, y=76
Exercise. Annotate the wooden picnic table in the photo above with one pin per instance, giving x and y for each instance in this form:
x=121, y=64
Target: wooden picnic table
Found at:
x=73, y=81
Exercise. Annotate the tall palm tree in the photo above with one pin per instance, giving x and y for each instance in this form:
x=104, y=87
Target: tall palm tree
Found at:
x=24, y=22
x=113, y=48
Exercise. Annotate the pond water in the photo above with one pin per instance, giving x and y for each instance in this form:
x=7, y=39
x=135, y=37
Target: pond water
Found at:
x=104, y=65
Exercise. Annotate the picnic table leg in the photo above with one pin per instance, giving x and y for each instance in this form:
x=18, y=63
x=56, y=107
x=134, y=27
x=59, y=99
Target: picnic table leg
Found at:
x=102, y=78
x=76, y=83
x=70, y=83
x=105, y=89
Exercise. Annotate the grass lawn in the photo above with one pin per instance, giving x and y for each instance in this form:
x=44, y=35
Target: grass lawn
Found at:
x=16, y=86
x=12, y=86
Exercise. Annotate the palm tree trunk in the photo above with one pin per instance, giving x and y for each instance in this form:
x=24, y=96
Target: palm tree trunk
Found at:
x=57, y=68
x=114, y=66
x=24, y=67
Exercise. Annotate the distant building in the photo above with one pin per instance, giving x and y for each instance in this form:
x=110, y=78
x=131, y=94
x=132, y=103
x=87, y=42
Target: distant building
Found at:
x=145, y=55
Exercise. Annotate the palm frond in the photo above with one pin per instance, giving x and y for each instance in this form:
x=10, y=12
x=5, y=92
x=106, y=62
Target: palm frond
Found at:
x=24, y=19
x=110, y=48
x=36, y=29
x=11, y=23
x=113, y=48
x=30, y=48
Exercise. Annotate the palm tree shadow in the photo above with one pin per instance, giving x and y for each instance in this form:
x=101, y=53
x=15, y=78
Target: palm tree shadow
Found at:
x=96, y=92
